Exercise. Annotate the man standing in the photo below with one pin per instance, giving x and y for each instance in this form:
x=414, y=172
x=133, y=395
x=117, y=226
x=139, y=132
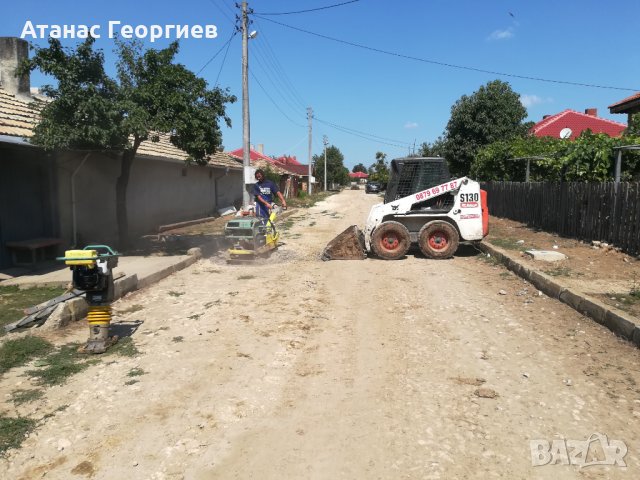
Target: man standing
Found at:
x=264, y=191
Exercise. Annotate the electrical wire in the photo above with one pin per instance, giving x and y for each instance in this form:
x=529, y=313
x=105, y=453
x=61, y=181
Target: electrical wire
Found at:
x=362, y=133
x=344, y=130
x=223, y=12
x=273, y=101
x=271, y=58
x=223, y=61
x=449, y=65
x=311, y=9
x=217, y=53
x=268, y=75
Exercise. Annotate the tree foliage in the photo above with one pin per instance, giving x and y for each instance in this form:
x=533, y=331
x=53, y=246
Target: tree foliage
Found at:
x=152, y=95
x=379, y=171
x=492, y=113
x=435, y=149
x=590, y=157
x=359, y=168
x=336, y=171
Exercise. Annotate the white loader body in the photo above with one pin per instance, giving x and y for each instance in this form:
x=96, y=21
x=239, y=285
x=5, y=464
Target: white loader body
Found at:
x=465, y=214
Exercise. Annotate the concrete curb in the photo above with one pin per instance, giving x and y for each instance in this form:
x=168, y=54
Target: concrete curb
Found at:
x=620, y=323
x=77, y=308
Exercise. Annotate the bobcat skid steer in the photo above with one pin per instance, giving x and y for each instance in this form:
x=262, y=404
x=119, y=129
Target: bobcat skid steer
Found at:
x=422, y=206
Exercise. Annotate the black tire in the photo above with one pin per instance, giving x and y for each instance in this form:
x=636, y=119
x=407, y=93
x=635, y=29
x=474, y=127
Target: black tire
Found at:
x=390, y=241
x=438, y=240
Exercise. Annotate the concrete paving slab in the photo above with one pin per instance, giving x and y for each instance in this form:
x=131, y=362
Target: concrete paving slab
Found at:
x=546, y=255
x=144, y=267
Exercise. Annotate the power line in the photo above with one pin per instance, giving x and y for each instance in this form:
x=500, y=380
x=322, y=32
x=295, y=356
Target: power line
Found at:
x=273, y=101
x=311, y=9
x=449, y=65
x=364, y=135
x=223, y=12
x=360, y=132
x=223, y=60
x=217, y=53
x=280, y=70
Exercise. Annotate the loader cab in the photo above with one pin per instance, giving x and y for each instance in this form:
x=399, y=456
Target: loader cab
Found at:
x=413, y=174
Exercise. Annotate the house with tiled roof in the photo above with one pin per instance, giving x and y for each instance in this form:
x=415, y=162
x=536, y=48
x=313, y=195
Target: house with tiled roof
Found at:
x=70, y=195
x=293, y=175
x=570, y=124
x=629, y=105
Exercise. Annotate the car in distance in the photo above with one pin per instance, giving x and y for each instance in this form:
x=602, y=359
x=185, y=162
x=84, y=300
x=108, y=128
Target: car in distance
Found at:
x=373, y=187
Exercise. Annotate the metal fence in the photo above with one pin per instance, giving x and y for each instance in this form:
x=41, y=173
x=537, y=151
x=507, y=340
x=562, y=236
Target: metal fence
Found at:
x=608, y=212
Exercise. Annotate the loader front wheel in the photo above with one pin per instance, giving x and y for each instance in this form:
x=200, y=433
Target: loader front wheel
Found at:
x=390, y=241
x=438, y=240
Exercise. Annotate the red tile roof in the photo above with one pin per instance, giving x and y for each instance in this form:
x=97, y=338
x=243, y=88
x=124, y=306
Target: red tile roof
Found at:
x=577, y=122
x=358, y=175
x=292, y=166
x=625, y=100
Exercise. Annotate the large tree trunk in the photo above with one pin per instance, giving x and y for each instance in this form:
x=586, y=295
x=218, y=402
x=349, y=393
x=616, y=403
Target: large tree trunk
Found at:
x=121, y=195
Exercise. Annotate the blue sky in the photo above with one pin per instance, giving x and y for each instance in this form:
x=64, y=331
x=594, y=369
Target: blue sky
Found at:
x=390, y=100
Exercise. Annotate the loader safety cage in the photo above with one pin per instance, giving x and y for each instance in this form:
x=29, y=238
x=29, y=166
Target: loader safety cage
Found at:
x=414, y=174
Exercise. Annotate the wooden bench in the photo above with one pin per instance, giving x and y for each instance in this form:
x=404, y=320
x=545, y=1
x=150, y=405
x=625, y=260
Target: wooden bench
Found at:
x=33, y=246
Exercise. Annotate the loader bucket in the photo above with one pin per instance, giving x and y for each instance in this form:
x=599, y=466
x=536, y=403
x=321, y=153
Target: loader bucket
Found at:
x=349, y=245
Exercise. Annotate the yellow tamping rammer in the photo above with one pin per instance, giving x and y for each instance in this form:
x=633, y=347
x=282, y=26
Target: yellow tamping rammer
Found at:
x=92, y=270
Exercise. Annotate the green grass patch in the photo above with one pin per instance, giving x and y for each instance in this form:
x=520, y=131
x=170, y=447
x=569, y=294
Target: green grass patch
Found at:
x=124, y=347
x=635, y=293
x=17, y=352
x=13, y=431
x=20, y=397
x=246, y=277
x=559, y=272
x=13, y=301
x=305, y=201
x=136, y=372
x=131, y=382
x=507, y=244
x=61, y=364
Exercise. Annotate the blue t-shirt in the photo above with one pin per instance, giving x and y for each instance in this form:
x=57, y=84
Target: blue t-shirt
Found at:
x=267, y=190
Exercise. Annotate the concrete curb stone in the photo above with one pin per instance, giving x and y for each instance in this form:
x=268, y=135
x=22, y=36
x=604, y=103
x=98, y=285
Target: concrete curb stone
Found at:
x=78, y=308
x=618, y=322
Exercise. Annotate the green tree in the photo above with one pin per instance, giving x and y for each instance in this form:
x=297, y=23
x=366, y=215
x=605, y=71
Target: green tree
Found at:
x=379, y=171
x=435, y=149
x=359, y=168
x=492, y=113
x=152, y=95
x=336, y=171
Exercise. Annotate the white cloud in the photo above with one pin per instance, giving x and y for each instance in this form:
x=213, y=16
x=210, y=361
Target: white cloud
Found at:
x=411, y=125
x=528, y=100
x=502, y=34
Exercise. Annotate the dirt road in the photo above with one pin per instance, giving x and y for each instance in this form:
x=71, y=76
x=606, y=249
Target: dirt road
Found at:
x=297, y=368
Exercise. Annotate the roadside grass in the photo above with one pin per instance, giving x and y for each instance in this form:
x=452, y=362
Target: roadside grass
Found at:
x=17, y=352
x=246, y=277
x=136, y=372
x=54, y=369
x=305, y=200
x=559, y=272
x=13, y=431
x=507, y=243
x=20, y=397
x=14, y=300
x=123, y=347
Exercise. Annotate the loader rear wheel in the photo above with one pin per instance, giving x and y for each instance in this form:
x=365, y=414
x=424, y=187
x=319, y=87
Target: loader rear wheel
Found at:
x=438, y=240
x=390, y=241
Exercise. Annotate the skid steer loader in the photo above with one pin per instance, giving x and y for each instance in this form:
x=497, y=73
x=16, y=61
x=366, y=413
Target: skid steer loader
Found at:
x=423, y=206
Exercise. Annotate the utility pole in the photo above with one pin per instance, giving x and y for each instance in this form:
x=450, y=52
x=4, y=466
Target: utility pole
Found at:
x=325, y=141
x=246, y=159
x=309, y=117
